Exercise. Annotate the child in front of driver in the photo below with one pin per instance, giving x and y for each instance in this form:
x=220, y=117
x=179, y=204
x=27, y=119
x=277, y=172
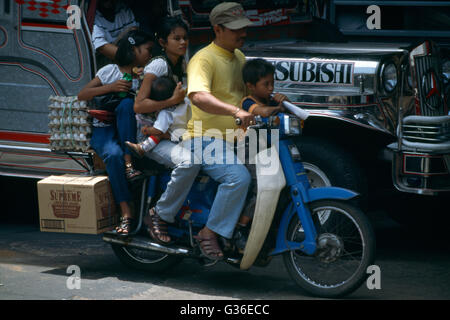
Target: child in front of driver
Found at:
x=169, y=123
x=258, y=75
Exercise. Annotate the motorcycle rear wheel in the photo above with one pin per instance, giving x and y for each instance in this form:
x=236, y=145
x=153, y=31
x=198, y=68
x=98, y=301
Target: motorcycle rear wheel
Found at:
x=345, y=248
x=145, y=260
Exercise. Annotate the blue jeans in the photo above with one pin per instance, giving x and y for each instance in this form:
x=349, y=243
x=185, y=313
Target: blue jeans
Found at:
x=233, y=178
x=109, y=143
x=184, y=172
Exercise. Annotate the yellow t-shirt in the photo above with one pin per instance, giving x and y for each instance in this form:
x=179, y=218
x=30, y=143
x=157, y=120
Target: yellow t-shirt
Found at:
x=219, y=72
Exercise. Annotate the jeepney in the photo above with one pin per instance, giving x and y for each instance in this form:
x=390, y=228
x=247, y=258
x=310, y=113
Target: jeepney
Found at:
x=378, y=98
x=371, y=101
x=377, y=91
x=46, y=50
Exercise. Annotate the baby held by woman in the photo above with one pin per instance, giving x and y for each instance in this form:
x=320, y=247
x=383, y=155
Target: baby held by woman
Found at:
x=169, y=123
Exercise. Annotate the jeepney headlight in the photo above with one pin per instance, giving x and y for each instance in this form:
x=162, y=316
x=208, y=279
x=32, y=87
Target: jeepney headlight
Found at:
x=291, y=125
x=389, y=77
x=409, y=77
x=446, y=71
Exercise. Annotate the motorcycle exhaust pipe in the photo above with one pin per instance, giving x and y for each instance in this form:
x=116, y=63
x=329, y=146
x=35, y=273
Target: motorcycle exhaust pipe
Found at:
x=141, y=244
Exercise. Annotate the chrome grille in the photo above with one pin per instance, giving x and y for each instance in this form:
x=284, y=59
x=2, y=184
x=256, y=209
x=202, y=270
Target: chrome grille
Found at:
x=429, y=85
x=426, y=133
x=431, y=134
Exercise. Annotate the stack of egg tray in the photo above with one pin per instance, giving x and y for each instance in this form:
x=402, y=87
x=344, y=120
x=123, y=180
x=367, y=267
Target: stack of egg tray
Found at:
x=69, y=125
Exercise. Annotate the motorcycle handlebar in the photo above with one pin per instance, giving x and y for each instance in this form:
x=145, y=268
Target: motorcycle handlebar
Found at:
x=238, y=122
x=296, y=110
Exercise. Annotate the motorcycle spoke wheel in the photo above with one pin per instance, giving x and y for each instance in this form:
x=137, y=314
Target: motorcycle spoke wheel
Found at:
x=345, y=248
x=146, y=257
x=145, y=260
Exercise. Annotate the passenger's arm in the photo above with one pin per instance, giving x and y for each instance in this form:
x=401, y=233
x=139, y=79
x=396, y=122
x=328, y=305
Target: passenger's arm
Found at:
x=100, y=43
x=143, y=104
x=259, y=109
x=108, y=50
x=265, y=111
x=96, y=88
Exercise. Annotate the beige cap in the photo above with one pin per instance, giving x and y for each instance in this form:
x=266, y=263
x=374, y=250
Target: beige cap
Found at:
x=230, y=15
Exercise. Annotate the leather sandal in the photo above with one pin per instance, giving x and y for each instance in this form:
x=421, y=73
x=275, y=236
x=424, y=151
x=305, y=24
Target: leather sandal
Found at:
x=126, y=224
x=156, y=227
x=209, y=247
x=130, y=172
x=136, y=148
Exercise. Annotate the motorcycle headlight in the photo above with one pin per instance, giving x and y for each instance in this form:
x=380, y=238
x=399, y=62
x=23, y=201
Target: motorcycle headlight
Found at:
x=389, y=77
x=291, y=125
x=446, y=71
x=274, y=121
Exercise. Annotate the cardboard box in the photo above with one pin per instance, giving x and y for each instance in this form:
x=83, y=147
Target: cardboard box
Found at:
x=76, y=204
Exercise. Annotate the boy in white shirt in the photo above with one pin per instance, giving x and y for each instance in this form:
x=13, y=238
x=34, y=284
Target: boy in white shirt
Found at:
x=112, y=19
x=168, y=123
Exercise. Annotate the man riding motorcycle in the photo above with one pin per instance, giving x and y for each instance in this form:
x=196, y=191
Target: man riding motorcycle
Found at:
x=215, y=87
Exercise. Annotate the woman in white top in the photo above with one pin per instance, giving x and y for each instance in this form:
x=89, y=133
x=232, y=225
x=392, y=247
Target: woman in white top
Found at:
x=172, y=37
x=108, y=139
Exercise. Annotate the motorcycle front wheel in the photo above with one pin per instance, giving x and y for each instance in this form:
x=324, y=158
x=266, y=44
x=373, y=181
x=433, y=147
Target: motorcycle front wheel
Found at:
x=345, y=248
x=145, y=260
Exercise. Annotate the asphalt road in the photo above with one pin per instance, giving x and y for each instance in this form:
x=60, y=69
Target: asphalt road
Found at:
x=33, y=265
x=414, y=264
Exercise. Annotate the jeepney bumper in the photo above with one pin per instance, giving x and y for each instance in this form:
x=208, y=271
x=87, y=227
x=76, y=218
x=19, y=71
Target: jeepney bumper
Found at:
x=421, y=157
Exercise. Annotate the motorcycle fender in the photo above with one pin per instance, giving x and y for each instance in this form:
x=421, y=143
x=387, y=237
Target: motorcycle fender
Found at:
x=271, y=181
x=329, y=193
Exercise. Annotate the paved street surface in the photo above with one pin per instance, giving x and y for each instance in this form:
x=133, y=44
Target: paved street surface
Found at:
x=33, y=265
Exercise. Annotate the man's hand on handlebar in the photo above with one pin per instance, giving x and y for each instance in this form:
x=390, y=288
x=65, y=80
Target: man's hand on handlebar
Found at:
x=246, y=118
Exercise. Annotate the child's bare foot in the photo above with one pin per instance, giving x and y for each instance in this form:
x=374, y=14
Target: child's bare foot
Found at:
x=244, y=220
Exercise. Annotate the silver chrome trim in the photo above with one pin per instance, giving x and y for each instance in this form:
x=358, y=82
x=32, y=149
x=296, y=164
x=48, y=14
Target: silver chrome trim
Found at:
x=25, y=159
x=426, y=134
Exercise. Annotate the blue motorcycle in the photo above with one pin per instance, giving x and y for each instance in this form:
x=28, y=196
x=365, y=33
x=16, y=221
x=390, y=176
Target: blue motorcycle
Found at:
x=326, y=242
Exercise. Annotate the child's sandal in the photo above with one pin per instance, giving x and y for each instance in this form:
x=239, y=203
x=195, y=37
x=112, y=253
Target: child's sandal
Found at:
x=125, y=226
x=135, y=148
x=130, y=172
